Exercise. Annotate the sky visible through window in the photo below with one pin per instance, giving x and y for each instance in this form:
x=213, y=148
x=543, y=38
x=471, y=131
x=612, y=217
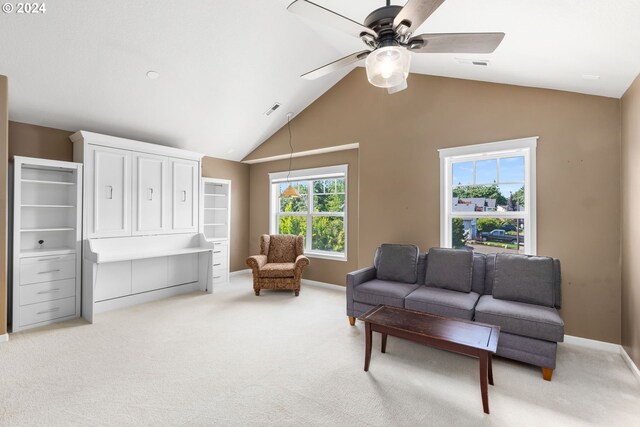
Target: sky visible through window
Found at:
x=507, y=173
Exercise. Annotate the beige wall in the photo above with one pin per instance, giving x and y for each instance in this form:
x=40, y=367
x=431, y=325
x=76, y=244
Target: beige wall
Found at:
x=238, y=173
x=630, y=181
x=319, y=269
x=40, y=142
x=4, y=169
x=399, y=135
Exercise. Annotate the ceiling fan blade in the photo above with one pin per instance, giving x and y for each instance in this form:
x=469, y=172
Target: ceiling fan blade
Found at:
x=335, y=65
x=455, y=43
x=413, y=14
x=327, y=17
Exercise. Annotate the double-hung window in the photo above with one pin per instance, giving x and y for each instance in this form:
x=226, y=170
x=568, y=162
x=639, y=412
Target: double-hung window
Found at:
x=488, y=196
x=319, y=214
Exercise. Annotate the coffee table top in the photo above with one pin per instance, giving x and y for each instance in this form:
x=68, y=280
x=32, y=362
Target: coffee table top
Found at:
x=472, y=334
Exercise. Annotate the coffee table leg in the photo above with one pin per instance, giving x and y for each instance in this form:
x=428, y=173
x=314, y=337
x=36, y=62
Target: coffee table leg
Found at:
x=490, y=369
x=484, y=364
x=367, y=340
x=384, y=343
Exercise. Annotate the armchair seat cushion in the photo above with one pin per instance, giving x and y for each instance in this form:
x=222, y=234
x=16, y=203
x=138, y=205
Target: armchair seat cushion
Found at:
x=277, y=269
x=442, y=302
x=518, y=318
x=376, y=292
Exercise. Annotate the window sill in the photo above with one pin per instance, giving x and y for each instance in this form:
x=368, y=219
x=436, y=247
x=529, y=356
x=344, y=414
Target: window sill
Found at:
x=323, y=255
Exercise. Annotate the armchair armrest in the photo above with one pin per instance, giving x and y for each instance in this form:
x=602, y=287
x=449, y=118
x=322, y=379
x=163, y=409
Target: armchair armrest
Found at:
x=301, y=262
x=256, y=262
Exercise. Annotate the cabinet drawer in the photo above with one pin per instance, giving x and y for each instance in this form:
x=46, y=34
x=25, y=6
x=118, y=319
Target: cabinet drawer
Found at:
x=220, y=252
x=47, y=291
x=220, y=275
x=48, y=310
x=46, y=269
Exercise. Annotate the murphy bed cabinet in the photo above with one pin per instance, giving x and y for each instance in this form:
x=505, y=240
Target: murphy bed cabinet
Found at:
x=142, y=238
x=216, y=215
x=47, y=215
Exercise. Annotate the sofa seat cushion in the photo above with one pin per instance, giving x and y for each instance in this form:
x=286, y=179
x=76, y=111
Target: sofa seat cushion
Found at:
x=442, y=302
x=519, y=318
x=277, y=269
x=376, y=292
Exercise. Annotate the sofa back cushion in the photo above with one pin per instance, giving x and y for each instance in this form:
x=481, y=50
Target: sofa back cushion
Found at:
x=522, y=278
x=284, y=248
x=477, y=281
x=449, y=269
x=398, y=263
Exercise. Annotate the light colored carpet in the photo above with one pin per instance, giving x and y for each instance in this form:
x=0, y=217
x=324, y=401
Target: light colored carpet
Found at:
x=231, y=358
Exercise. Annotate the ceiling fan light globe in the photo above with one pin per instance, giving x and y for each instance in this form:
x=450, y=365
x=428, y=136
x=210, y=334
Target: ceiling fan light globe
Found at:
x=388, y=66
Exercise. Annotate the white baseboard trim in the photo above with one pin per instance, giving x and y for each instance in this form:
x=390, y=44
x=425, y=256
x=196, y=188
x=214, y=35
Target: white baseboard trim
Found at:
x=594, y=344
x=605, y=346
x=630, y=363
x=239, y=272
x=4, y=337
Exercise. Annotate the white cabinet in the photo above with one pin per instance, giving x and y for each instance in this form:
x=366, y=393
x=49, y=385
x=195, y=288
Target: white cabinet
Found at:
x=184, y=185
x=45, y=268
x=109, y=191
x=216, y=215
x=150, y=183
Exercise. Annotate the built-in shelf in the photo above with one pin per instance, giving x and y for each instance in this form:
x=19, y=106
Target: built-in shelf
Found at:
x=215, y=195
x=32, y=230
x=46, y=252
x=37, y=181
x=216, y=224
x=47, y=206
x=215, y=209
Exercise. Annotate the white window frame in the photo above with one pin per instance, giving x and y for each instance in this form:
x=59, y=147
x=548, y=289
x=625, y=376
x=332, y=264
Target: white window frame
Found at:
x=276, y=178
x=511, y=148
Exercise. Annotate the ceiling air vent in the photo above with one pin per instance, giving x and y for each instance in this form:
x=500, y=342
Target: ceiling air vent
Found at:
x=273, y=108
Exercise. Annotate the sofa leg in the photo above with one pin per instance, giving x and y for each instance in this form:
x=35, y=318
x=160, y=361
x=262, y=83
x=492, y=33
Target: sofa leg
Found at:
x=296, y=292
x=352, y=320
x=257, y=291
x=547, y=373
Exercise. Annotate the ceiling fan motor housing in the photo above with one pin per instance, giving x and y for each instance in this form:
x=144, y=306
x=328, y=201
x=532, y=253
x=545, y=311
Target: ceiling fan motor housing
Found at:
x=381, y=21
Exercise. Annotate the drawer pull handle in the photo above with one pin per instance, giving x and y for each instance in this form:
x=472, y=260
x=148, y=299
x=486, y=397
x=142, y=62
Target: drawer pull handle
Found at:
x=184, y=196
x=217, y=252
x=51, y=310
x=48, y=259
x=217, y=277
x=215, y=265
x=50, y=291
x=109, y=194
x=48, y=271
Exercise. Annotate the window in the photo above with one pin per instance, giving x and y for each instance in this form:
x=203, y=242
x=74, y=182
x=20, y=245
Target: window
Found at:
x=319, y=214
x=488, y=195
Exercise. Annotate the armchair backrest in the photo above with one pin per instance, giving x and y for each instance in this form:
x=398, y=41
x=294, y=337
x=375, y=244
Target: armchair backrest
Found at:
x=281, y=247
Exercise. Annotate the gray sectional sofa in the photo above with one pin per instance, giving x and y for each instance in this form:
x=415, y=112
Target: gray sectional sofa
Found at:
x=519, y=293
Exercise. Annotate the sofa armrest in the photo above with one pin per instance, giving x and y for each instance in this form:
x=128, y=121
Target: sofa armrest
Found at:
x=301, y=262
x=354, y=279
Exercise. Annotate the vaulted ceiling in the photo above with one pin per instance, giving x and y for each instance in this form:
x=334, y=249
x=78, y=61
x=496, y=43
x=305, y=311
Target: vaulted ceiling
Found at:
x=222, y=64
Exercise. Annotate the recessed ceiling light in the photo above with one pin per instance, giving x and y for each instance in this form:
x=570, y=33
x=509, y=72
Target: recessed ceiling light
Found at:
x=590, y=77
x=153, y=75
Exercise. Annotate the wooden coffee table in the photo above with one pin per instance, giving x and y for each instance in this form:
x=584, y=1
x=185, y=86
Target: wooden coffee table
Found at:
x=460, y=336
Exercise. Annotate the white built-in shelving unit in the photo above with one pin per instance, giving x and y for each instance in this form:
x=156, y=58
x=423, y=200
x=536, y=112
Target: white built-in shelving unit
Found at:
x=215, y=219
x=47, y=234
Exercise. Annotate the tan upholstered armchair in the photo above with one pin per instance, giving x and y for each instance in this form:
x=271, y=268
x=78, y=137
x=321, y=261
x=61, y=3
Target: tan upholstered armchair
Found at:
x=280, y=263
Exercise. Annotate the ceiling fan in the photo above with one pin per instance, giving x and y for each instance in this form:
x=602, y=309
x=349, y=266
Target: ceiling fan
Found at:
x=387, y=32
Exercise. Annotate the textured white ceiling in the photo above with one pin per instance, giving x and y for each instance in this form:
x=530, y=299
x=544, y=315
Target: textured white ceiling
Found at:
x=222, y=64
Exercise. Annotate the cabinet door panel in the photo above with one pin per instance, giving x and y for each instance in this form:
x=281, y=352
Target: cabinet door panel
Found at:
x=148, y=274
x=150, y=192
x=111, y=192
x=185, y=195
